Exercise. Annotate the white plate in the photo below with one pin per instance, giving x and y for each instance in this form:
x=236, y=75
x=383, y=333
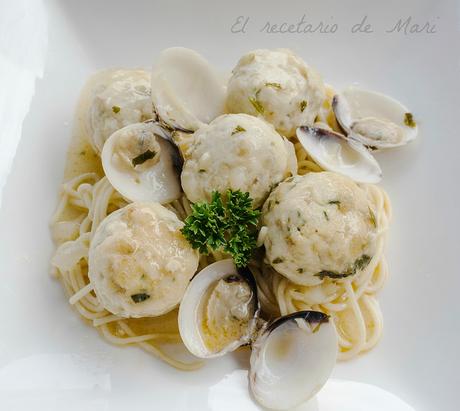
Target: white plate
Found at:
x=49, y=359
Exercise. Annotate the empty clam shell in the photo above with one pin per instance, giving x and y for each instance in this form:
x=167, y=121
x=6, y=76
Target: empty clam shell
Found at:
x=374, y=119
x=142, y=164
x=334, y=152
x=292, y=359
x=186, y=91
x=219, y=310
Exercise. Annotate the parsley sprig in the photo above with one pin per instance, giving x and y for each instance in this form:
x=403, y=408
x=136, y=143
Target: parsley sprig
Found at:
x=227, y=224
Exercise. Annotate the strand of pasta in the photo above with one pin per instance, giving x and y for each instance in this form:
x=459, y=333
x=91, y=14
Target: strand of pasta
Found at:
x=146, y=342
x=82, y=292
x=95, y=197
x=360, y=336
x=106, y=320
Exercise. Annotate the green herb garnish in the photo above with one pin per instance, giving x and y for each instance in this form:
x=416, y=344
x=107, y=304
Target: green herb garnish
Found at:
x=116, y=109
x=325, y=215
x=142, y=158
x=238, y=129
x=138, y=298
x=274, y=85
x=316, y=328
x=372, y=217
x=226, y=224
x=303, y=105
x=336, y=202
x=359, y=264
x=331, y=274
x=202, y=170
x=278, y=260
x=257, y=105
x=409, y=120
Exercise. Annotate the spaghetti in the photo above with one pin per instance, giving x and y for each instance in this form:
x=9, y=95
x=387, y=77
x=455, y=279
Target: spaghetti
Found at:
x=87, y=197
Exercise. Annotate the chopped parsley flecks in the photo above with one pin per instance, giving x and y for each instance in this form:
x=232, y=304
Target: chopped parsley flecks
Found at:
x=142, y=158
x=273, y=85
x=409, y=120
x=372, y=217
x=361, y=262
x=257, y=105
x=358, y=265
x=303, y=105
x=238, y=129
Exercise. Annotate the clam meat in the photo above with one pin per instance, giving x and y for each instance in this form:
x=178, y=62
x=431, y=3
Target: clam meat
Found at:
x=141, y=163
x=374, y=119
x=219, y=310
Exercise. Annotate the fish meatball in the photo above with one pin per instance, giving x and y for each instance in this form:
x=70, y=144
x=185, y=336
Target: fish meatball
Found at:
x=139, y=262
x=278, y=86
x=319, y=225
x=122, y=98
x=238, y=152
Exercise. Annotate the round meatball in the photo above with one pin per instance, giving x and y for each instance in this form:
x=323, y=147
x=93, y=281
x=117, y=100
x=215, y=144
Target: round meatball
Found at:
x=238, y=152
x=319, y=225
x=277, y=85
x=139, y=262
x=122, y=98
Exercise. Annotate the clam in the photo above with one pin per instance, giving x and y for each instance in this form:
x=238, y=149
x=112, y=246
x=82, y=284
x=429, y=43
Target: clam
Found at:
x=292, y=359
x=219, y=310
x=186, y=91
x=142, y=164
x=334, y=152
x=374, y=119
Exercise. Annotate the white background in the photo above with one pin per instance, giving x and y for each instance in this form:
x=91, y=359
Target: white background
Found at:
x=49, y=358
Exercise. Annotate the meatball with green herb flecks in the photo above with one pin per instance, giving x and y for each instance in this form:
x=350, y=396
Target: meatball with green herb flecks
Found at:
x=278, y=86
x=319, y=225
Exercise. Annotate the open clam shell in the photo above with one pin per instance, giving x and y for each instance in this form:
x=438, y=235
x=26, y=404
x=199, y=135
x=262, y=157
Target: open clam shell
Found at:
x=219, y=310
x=292, y=359
x=334, y=152
x=186, y=91
x=374, y=119
x=142, y=164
